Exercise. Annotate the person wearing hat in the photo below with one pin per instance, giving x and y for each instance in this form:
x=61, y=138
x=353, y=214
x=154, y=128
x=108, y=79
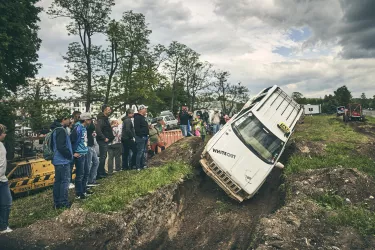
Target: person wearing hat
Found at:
x=62, y=158
x=79, y=141
x=216, y=121
x=141, y=136
x=5, y=196
x=104, y=136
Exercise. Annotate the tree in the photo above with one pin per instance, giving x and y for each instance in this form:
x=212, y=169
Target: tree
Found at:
x=343, y=95
x=176, y=52
x=88, y=17
x=228, y=94
x=37, y=102
x=298, y=97
x=19, y=43
x=364, y=101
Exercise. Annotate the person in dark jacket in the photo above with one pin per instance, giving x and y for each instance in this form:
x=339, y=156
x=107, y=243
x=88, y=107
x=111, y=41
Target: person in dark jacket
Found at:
x=128, y=141
x=104, y=136
x=63, y=155
x=141, y=136
x=185, y=118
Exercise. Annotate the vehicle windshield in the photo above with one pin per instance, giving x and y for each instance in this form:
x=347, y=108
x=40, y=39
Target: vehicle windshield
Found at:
x=257, y=138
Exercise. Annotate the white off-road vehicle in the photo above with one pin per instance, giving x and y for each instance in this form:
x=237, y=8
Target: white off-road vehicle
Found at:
x=242, y=154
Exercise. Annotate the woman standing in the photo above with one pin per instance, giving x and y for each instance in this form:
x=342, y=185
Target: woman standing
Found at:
x=5, y=196
x=155, y=139
x=115, y=148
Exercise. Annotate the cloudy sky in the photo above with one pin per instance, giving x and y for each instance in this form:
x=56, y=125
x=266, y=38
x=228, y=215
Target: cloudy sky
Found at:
x=309, y=46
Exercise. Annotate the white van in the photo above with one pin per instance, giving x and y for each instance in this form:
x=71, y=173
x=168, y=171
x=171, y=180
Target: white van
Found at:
x=242, y=154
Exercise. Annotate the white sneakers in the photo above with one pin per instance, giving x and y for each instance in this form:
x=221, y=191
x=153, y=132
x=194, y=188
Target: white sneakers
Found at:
x=8, y=230
x=71, y=186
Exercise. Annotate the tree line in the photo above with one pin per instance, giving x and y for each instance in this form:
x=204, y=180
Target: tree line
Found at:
x=341, y=97
x=127, y=69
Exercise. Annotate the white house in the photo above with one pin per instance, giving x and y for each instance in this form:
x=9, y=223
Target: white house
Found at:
x=312, y=109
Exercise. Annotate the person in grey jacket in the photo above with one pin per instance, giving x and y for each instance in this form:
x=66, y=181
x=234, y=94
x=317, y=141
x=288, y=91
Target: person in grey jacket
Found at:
x=5, y=196
x=128, y=141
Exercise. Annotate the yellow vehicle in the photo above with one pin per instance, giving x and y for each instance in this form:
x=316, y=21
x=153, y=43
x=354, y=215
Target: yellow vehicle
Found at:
x=31, y=175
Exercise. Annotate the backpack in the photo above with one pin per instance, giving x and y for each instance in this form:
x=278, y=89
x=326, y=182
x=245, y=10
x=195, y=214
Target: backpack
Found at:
x=48, y=152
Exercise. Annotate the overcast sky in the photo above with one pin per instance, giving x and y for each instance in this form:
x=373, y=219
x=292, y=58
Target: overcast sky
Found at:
x=309, y=46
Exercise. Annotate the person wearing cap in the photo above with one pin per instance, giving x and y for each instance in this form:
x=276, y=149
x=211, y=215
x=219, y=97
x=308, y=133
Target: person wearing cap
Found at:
x=5, y=196
x=216, y=121
x=128, y=141
x=78, y=138
x=104, y=136
x=62, y=158
x=141, y=136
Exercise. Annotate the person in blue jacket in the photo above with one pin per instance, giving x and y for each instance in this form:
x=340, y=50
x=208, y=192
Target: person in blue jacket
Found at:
x=62, y=158
x=78, y=138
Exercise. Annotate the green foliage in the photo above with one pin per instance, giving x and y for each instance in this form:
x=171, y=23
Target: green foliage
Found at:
x=343, y=96
x=37, y=103
x=340, y=142
x=19, y=43
x=88, y=17
x=124, y=187
x=358, y=217
x=27, y=210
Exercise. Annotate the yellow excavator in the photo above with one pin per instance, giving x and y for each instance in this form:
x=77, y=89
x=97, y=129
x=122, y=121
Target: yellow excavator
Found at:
x=30, y=171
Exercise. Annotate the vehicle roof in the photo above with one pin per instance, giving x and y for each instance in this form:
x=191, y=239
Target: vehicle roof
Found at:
x=277, y=107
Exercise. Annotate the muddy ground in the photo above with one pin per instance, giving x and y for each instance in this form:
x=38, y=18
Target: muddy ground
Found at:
x=197, y=214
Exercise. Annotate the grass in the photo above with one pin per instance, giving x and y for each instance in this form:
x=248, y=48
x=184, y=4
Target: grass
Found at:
x=32, y=208
x=344, y=214
x=341, y=141
x=115, y=193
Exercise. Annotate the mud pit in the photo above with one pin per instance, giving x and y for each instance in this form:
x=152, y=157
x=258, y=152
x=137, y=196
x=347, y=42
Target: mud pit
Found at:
x=194, y=214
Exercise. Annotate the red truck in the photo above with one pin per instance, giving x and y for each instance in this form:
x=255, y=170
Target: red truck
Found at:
x=354, y=112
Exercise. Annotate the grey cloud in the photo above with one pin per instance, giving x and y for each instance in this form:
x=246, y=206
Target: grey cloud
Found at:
x=351, y=23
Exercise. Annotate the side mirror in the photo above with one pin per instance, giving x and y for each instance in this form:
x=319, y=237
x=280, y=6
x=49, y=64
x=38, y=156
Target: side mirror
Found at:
x=279, y=165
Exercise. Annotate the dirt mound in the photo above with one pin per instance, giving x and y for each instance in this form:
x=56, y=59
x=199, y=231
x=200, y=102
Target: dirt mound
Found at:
x=211, y=220
x=303, y=224
x=310, y=147
x=139, y=222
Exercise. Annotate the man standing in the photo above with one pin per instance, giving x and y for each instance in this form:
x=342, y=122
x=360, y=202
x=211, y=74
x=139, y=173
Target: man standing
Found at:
x=63, y=155
x=78, y=138
x=205, y=116
x=104, y=136
x=184, y=121
x=141, y=136
x=128, y=141
x=92, y=158
x=5, y=196
x=216, y=121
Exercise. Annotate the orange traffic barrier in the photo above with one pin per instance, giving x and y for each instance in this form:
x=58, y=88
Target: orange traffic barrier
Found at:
x=171, y=136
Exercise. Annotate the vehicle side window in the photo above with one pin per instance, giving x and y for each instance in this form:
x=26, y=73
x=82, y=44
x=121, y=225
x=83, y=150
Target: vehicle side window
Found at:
x=166, y=118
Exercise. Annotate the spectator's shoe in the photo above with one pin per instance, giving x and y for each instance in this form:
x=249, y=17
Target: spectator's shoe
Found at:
x=93, y=184
x=71, y=186
x=81, y=197
x=89, y=192
x=138, y=169
x=8, y=230
x=144, y=167
x=62, y=206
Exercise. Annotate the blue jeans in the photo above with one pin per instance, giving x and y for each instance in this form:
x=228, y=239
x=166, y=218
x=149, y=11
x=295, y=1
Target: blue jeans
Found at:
x=141, y=150
x=82, y=175
x=216, y=128
x=5, y=205
x=129, y=154
x=93, y=163
x=184, y=130
x=61, y=185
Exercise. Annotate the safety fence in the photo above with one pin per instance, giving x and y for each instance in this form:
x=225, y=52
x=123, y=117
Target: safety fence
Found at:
x=171, y=136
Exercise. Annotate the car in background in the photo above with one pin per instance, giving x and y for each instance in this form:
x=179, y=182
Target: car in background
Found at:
x=170, y=122
x=166, y=113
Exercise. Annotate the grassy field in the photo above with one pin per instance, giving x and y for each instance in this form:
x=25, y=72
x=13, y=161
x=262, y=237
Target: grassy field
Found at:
x=340, y=143
x=113, y=194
